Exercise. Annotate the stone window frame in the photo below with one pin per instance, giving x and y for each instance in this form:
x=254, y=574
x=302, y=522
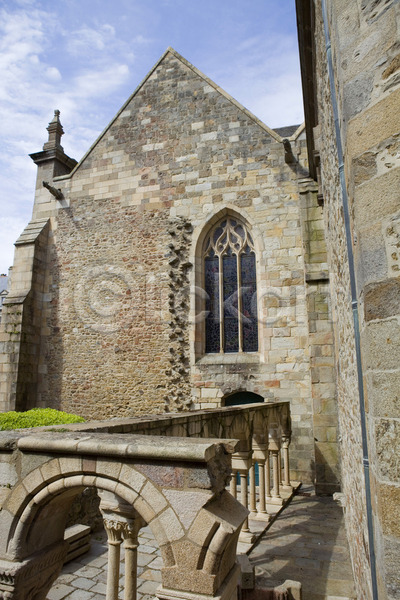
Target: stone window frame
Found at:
x=197, y=296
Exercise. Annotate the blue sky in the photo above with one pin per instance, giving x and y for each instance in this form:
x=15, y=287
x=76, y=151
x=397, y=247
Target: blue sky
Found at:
x=85, y=58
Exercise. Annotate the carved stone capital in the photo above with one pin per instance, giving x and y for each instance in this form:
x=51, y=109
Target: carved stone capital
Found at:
x=113, y=529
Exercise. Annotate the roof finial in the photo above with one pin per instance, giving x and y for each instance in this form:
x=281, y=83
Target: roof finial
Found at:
x=55, y=132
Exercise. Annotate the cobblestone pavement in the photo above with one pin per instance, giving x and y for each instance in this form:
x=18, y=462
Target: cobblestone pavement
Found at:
x=307, y=543
x=86, y=577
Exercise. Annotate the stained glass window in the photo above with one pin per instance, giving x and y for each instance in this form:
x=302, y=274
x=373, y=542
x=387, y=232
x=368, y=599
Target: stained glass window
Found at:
x=231, y=289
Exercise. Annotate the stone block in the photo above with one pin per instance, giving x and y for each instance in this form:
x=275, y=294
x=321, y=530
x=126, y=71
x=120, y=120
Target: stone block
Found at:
x=153, y=497
x=34, y=481
x=384, y=393
x=381, y=299
x=70, y=465
x=391, y=567
x=144, y=509
x=376, y=123
x=170, y=525
x=381, y=342
x=389, y=501
x=132, y=478
x=367, y=210
x=186, y=504
x=108, y=468
x=163, y=475
x=8, y=474
x=16, y=499
x=387, y=440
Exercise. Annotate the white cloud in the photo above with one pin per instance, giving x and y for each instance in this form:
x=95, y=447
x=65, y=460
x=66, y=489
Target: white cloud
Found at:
x=11, y=228
x=86, y=58
x=87, y=39
x=33, y=84
x=53, y=73
x=95, y=83
x=263, y=75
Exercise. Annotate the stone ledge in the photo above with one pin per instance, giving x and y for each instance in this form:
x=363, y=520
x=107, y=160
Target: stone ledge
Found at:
x=127, y=445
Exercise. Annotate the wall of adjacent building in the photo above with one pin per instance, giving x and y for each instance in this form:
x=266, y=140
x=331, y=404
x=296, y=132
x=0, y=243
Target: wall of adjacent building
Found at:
x=366, y=60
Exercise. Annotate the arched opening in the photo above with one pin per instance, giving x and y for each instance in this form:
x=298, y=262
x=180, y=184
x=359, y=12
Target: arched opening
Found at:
x=40, y=529
x=129, y=499
x=230, y=286
x=225, y=301
x=242, y=398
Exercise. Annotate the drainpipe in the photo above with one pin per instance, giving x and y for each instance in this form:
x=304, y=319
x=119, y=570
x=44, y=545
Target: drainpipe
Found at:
x=354, y=305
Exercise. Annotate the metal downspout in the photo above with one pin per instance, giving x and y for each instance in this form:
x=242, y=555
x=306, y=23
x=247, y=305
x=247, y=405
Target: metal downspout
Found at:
x=354, y=305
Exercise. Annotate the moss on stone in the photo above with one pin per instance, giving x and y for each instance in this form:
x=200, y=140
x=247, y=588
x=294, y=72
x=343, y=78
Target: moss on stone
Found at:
x=36, y=417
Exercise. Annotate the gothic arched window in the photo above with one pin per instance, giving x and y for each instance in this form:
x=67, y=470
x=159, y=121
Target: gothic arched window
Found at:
x=231, y=289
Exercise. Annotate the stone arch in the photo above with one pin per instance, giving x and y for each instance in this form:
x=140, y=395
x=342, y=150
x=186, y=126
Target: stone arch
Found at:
x=216, y=215
x=36, y=500
x=196, y=528
x=241, y=397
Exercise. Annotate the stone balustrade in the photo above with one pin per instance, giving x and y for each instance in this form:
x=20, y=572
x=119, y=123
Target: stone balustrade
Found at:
x=170, y=472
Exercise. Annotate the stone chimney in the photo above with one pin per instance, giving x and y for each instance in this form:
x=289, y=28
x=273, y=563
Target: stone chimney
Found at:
x=51, y=162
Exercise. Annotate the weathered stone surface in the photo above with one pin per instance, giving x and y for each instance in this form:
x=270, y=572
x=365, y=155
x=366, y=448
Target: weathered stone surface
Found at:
x=382, y=343
x=384, y=394
x=389, y=498
x=388, y=448
x=382, y=299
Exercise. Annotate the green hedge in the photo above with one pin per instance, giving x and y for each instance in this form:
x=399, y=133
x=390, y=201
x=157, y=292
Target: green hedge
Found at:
x=37, y=417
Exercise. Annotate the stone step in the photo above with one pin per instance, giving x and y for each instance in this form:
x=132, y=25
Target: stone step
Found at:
x=78, y=538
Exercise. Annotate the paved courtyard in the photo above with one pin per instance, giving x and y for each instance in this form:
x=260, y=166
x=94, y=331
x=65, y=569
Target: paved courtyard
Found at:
x=86, y=577
x=307, y=543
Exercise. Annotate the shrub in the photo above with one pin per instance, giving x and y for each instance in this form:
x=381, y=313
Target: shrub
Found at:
x=36, y=417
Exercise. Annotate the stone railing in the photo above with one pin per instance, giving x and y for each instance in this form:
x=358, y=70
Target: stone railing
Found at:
x=170, y=472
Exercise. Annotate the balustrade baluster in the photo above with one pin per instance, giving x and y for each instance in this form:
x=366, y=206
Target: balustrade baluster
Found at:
x=233, y=484
x=261, y=487
x=285, y=452
x=267, y=478
x=252, y=482
x=275, y=474
x=244, y=497
x=280, y=467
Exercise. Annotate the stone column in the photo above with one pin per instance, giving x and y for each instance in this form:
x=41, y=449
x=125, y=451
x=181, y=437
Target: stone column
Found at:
x=274, y=449
x=233, y=484
x=285, y=456
x=260, y=456
x=114, y=537
x=122, y=523
x=241, y=462
x=130, y=533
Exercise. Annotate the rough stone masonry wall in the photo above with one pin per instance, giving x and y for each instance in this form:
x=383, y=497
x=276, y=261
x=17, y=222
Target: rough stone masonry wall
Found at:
x=124, y=243
x=366, y=62
x=20, y=334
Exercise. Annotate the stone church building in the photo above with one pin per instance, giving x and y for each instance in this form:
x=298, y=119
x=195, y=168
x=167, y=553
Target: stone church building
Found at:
x=196, y=258
x=180, y=264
